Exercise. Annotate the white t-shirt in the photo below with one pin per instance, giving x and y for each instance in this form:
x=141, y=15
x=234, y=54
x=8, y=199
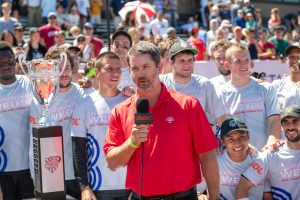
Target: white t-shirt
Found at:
x=200, y=88
x=125, y=79
x=159, y=27
x=253, y=104
x=219, y=81
x=83, y=6
x=230, y=175
x=281, y=169
x=61, y=110
x=15, y=101
x=92, y=117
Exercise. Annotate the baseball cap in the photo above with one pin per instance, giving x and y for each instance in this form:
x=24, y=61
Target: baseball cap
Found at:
x=170, y=30
x=52, y=14
x=232, y=124
x=246, y=1
x=18, y=25
x=72, y=47
x=88, y=25
x=296, y=45
x=291, y=111
x=33, y=30
x=180, y=46
x=80, y=36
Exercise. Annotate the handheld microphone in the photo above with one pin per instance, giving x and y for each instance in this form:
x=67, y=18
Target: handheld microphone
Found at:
x=142, y=116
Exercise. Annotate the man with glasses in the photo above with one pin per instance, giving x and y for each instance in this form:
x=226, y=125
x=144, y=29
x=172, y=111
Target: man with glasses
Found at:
x=285, y=85
x=48, y=31
x=280, y=168
x=60, y=40
x=88, y=31
x=19, y=30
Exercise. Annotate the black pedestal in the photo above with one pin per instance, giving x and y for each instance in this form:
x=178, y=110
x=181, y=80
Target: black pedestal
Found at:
x=49, y=163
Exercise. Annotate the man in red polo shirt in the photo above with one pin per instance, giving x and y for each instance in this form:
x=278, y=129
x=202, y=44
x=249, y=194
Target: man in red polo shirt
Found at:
x=88, y=30
x=178, y=139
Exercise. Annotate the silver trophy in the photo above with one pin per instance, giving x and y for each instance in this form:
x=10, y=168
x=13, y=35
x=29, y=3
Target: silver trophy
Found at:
x=44, y=76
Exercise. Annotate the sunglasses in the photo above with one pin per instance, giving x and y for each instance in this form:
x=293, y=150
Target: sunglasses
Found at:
x=81, y=40
x=52, y=17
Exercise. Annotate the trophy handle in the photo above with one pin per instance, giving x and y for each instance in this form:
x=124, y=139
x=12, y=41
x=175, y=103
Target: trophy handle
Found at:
x=21, y=60
x=64, y=57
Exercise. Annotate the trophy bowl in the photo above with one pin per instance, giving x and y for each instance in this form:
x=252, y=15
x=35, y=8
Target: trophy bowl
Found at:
x=44, y=76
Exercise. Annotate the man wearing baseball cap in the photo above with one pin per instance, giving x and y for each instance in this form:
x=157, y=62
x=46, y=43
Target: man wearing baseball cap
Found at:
x=48, y=31
x=182, y=79
x=286, y=87
x=281, y=169
x=88, y=31
x=235, y=159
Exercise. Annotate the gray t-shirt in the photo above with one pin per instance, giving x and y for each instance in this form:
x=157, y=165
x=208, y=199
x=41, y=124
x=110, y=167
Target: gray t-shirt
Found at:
x=219, y=81
x=92, y=117
x=282, y=86
x=230, y=175
x=281, y=169
x=292, y=97
x=200, y=88
x=253, y=104
x=61, y=109
x=125, y=79
x=15, y=100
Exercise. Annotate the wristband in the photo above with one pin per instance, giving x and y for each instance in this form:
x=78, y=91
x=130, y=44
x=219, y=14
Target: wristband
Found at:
x=132, y=144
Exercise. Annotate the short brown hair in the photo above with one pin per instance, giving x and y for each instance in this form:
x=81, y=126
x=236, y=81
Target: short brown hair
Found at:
x=99, y=63
x=233, y=49
x=165, y=45
x=221, y=44
x=55, y=54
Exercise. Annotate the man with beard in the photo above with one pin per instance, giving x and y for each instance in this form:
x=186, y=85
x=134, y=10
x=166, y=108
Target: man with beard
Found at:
x=280, y=168
x=15, y=100
x=218, y=51
x=61, y=110
x=174, y=145
x=182, y=80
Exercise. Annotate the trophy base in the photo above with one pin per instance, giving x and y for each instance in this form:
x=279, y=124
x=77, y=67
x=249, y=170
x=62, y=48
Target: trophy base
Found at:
x=49, y=162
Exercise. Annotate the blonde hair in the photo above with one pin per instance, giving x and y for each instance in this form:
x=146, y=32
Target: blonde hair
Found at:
x=233, y=49
x=6, y=5
x=275, y=11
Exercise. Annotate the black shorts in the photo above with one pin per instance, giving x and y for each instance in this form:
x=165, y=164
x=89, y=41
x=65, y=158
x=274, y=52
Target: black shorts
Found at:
x=16, y=185
x=112, y=194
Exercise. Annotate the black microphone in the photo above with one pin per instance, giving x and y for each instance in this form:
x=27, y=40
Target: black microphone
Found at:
x=142, y=116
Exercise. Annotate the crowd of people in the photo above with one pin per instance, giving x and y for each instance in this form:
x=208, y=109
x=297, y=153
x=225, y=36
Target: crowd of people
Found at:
x=233, y=136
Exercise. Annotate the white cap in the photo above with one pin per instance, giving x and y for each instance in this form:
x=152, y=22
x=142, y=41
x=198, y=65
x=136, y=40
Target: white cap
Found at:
x=246, y=1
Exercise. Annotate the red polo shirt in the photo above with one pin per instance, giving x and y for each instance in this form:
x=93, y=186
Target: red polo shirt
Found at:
x=180, y=131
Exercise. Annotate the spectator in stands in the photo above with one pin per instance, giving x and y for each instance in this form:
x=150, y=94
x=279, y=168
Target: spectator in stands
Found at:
x=170, y=11
x=215, y=14
x=187, y=28
x=128, y=22
x=237, y=36
x=88, y=31
x=279, y=42
x=207, y=10
x=73, y=50
x=235, y=7
x=250, y=21
x=275, y=19
x=226, y=26
x=252, y=45
x=258, y=19
x=171, y=33
x=33, y=48
x=211, y=34
x=34, y=13
x=198, y=44
x=159, y=25
x=86, y=47
x=48, y=31
x=7, y=22
x=62, y=18
x=60, y=40
x=295, y=36
x=248, y=8
x=95, y=11
x=239, y=20
x=74, y=30
x=47, y=7
x=9, y=37
x=142, y=22
x=114, y=7
x=19, y=30
x=159, y=5
x=227, y=10
x=267, y=48
x=74, y=17
x=83, y=8
x=220, y=35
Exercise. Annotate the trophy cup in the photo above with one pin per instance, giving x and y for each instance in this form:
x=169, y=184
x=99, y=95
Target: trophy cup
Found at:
x=47, y=137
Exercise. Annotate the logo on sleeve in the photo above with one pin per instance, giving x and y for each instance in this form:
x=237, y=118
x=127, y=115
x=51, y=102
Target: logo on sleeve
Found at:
x=257, y=167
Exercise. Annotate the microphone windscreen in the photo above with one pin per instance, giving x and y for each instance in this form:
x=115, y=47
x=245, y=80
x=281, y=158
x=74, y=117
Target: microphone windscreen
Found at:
x=142, y=105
